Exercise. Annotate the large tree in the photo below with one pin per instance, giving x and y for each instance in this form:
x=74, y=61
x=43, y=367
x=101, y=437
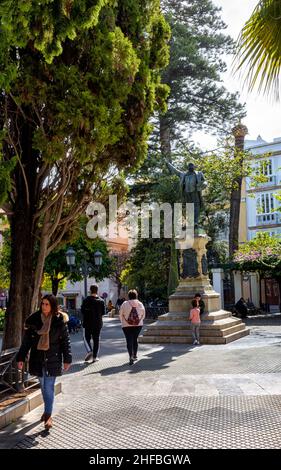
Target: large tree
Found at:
x=79, y=81
x=198, y=100
x=259, y=47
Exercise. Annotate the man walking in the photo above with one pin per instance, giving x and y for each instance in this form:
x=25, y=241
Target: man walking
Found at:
x=92, y=309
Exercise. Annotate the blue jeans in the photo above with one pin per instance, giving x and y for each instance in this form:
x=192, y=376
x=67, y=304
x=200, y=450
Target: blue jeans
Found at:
x=48, y=391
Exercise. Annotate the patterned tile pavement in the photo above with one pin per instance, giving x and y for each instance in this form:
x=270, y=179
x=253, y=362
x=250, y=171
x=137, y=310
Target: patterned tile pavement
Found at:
x=175, y=396
x=164, y=422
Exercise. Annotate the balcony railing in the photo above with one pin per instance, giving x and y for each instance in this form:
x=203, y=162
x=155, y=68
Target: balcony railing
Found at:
x=268, y=219
x=271, y=181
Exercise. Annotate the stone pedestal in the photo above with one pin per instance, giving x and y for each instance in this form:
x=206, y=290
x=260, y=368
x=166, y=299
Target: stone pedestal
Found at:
x=217, y=326
x=194, y=278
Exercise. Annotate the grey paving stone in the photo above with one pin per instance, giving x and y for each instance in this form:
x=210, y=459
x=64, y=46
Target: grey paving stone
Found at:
x=225, y=396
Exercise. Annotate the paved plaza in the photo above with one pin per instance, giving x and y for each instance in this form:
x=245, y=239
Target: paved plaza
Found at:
x=175, y=396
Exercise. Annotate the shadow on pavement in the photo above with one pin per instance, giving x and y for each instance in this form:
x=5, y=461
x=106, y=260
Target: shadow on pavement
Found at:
x=154, y=361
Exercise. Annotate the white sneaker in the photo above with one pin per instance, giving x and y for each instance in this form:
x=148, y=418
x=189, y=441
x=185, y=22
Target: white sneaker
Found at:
x=194, y=342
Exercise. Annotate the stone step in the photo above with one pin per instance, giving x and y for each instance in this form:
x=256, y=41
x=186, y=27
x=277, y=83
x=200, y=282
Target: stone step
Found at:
x=178, y=316
x=188, y=339
x=186, y=331
x=222, y=323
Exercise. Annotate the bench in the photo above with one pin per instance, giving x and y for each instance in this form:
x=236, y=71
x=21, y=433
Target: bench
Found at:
x=9, y=375
x=11, y=378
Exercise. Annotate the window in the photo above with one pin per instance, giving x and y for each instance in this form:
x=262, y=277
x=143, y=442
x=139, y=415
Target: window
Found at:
x=265, y=208
x=264, y=168
x=267, y=168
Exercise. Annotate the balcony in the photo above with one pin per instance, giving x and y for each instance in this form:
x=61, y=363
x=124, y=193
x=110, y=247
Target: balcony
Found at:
x=268, y=219
x=272, y=181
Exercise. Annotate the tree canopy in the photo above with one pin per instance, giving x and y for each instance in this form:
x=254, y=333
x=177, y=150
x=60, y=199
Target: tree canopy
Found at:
x=79, y=81
x=198, y=99
x=262, y=253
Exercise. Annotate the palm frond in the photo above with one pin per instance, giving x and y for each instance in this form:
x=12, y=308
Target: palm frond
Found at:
x=259, y=48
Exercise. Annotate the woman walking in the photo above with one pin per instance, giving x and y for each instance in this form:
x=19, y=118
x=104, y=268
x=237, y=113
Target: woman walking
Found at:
x=131, y=314
x=46, y=336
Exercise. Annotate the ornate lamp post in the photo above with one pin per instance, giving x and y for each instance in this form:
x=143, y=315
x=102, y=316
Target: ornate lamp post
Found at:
x=84, y=266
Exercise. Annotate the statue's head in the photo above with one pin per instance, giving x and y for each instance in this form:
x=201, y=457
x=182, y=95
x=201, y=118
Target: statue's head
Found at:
x=191, y=167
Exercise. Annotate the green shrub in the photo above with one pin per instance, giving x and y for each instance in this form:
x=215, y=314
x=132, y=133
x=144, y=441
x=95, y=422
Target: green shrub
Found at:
x=2, y=316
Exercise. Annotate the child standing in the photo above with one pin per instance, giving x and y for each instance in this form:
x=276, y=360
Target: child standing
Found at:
x=194, y=317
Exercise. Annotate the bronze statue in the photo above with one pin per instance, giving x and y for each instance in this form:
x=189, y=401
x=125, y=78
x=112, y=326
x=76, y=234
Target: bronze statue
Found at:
x=192, y=183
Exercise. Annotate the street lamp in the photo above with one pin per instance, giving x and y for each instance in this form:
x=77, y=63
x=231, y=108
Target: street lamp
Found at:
x=70, y=257
x=84, y=266
x=98, y=258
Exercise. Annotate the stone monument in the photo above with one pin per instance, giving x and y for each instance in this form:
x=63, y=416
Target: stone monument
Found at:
x=217, y=326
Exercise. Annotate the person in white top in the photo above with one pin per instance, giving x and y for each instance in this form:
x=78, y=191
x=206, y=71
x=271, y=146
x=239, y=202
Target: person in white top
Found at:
x=131, y=314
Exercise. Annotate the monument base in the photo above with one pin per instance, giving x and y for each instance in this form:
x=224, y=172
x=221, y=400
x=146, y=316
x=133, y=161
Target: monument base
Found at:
x=217, y=326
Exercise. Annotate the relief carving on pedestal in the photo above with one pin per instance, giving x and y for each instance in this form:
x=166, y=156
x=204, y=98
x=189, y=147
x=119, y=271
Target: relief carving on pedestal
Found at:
x=204, y=265
x=190, y=264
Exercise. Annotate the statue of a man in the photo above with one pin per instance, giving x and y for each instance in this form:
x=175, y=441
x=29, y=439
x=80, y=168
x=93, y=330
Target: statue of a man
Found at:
x=192, y=183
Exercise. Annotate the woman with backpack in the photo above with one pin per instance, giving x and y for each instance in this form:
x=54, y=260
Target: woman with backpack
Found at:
x=132, y=314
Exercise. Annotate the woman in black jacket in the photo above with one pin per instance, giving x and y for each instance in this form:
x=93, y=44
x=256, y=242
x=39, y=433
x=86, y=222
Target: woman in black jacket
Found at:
x=46, y=336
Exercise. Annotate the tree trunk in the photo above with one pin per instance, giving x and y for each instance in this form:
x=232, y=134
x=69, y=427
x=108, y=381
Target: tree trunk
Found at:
x=55, y=285
x=22, y=280
x=279, y=285
x=165, y=138
x=22, y=236
x=234, y=218
x=173, y=280
x=119, y=287
x=40, y=266
x=239, y=132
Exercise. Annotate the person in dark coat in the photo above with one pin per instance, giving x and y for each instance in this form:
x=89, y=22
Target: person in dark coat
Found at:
x=93, y=308
x=46, y=337
x=200, y=303
x=241, y=307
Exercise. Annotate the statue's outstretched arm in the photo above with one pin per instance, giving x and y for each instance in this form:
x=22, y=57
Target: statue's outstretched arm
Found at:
x=173, y=169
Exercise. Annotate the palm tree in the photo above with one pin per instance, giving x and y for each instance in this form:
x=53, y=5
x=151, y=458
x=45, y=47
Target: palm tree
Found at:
x=259, y=47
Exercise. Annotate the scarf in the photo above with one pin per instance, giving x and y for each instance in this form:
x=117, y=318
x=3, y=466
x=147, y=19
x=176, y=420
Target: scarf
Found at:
x=44, y=341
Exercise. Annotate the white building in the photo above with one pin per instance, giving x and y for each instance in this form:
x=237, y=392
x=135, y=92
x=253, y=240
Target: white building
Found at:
x=261, y=203
x=259, y=213
x=72, y=296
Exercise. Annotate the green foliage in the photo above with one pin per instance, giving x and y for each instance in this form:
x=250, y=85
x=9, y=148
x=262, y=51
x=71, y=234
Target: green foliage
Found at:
x=173, y=271
x=2, y=319
x=144, y=272
x=56, y=266
x=198, y=100
x=88, y=77
x=5, y=179
x=5, y=260
x=79, y=83
x=47, y=284
x=259, y=47
x=48, y=23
